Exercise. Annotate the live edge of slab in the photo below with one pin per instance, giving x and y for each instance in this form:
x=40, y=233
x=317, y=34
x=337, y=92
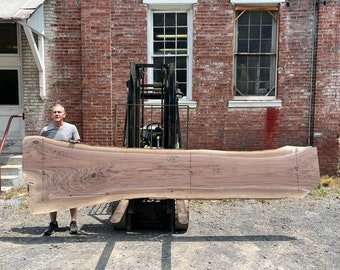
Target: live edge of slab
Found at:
x=61, y=175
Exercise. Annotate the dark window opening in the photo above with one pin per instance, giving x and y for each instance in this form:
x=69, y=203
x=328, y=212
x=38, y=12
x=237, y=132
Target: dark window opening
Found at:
x=8, y=38
x=9, y=87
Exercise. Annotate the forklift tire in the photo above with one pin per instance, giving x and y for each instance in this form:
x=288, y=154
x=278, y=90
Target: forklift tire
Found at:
x=181, y=217
x=122, y=224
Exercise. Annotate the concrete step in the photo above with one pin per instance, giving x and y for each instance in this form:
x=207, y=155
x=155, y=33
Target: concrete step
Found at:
x=11, y=172
x=11, y=169
x=6, y=189
x=11, y=159
x=9, y=180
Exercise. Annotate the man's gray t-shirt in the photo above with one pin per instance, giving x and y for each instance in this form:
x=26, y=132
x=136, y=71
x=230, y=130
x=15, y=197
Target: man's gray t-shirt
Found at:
x=65, y=133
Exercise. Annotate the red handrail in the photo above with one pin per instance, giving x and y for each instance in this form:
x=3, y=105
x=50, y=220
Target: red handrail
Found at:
x=5, y=137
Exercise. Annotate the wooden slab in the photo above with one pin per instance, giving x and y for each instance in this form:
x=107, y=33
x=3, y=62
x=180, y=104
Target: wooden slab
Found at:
x=62, y=175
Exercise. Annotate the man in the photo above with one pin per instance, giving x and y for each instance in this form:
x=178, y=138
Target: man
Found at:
x=60, y=130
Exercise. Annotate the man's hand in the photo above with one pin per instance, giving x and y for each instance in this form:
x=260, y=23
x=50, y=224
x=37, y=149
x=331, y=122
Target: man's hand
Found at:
x=74, y=141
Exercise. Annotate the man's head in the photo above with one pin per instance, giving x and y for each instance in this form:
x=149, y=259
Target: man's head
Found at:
x=58, y=114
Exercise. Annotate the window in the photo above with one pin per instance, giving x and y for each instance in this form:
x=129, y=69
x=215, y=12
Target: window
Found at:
x=170, y=44
x=9, y=64
x=8, y=38
x=255, y=53
x=169, y=41
x=9, y=88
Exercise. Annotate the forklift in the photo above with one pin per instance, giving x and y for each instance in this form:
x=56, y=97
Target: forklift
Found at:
x=151, y=126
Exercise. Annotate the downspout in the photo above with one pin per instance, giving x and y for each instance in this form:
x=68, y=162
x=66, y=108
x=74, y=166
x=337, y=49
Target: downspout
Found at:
x=311, y=135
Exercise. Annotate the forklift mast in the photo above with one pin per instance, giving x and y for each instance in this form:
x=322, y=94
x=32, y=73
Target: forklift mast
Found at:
x=139, y=132
x=167, y=95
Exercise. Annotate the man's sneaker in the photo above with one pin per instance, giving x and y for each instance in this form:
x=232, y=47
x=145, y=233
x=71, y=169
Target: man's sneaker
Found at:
x=51, y=228
x=73, y=227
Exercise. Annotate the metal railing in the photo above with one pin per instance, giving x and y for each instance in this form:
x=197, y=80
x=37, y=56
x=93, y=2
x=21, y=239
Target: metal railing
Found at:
x=2, y=146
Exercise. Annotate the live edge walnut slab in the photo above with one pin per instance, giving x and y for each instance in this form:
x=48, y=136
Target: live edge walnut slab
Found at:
x=62, y=175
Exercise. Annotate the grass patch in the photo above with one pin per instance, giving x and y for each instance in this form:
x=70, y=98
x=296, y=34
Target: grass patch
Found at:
x=19, y=192
x=332, y=182
x=329, y=185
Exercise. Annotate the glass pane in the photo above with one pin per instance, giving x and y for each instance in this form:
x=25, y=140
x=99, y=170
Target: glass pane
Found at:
x=266, y=18
x=157, y=76
x=265, y=61
x=158, y=33
x=254, y=45
x=251, y=88
x=271, y=92
x=266, y=46
x=253, y=61
x=242, y=86
x=170, y=47
x=255, y=17
x=255, y=32
x=242, y=74
x=158, y=60
x=242, y=46
x=181, y=75
x=169, y=60
x=158, y=47
x=244, y=19
x=183, y=88
x=8, y=38
x=252, y=74
x=170, y=33
x=182, y=19
x=181, y=62
x=241, y=60
x=170, y=19
x=263, y=85
x=264, y=75
x=182, y=33
x=182, y=47
x=158, y=19
x=266, y=32
x=243, y=32
x=9, y=87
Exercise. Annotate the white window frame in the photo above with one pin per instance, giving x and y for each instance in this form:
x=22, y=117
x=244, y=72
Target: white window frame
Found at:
x=172, y=6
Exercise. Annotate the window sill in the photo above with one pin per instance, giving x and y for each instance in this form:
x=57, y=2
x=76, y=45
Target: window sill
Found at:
x=170, y=2
x=182, y=103
x=254, y=103
x=253, y=2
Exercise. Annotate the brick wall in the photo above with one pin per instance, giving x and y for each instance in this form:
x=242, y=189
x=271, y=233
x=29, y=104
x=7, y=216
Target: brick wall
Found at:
x=33, y=105
x=63, y=59
x=327, y=107
x=218, y=127
x=89, y=47
x=129, y=44
x=212, y=74
x=96, y=72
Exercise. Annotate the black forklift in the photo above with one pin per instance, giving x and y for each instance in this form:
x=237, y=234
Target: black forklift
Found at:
x=151, y=126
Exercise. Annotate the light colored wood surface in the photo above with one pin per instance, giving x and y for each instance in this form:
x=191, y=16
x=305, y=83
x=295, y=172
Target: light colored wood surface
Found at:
x=62, y=175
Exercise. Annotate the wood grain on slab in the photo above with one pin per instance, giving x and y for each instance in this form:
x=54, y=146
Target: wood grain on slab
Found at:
x=62, y=175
